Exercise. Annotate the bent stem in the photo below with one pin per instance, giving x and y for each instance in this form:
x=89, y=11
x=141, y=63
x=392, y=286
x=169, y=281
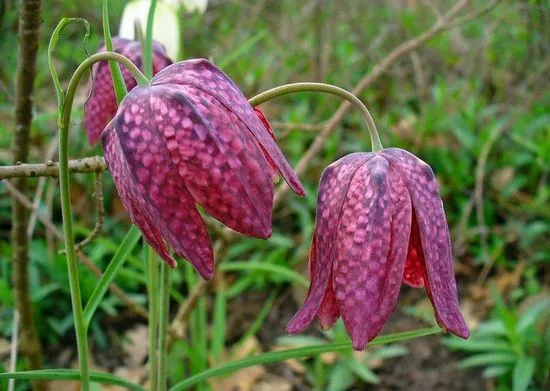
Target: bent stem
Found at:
x=64, y=184
x=329, y=89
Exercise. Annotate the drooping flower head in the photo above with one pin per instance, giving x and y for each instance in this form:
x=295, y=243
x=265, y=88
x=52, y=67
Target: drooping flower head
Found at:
x=380, y=222
x=191, y=137
x=102, y=105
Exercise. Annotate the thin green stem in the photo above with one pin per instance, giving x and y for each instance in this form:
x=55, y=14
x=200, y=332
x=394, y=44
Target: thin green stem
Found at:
x=118, y=80
x=329, y=89
x=312, y=350
x=64, y=184
x=148, y=49
x=152, y=281
x=163, y=326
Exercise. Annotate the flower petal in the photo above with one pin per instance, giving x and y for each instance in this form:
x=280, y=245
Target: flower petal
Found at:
x=434, y=237
x=415, y=267
x=221, y=164
x=156, y=182
x=272, y=165
x=333, y=188
x=102, y=105
x=371, y=246
x=204, y=75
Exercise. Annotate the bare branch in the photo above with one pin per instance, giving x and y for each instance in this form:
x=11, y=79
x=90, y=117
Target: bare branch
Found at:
x=84, y=165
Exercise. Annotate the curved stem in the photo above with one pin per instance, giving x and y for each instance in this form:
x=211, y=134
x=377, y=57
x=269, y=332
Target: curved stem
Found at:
x=329, y=89
x=64, y=184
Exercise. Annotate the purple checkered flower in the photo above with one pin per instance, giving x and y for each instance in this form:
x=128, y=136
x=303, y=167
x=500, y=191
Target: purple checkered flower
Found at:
x=102, y=105
x=191, y=137
x=380, y=222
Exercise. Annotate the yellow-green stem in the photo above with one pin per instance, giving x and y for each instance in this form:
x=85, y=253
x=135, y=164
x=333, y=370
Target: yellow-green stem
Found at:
x=152, y=288
x=329, y=89
x=64, y=184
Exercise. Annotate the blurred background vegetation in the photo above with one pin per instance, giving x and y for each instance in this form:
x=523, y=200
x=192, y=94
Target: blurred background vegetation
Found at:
x=473, y=102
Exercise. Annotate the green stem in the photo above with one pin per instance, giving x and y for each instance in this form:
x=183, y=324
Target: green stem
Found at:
x=118, y=80
x=64, y=184
x=163, y=326
x=312, y=350
x=152, y=294
x=148, y=49
x=329, y=89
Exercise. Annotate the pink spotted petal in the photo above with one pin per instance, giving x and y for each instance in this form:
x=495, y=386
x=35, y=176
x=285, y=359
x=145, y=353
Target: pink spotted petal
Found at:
x=371, y=249
x=414, y=267
x=204, y=75
x=434, y=237
x=272, y=165
x=222, y=166
x=161, y=192
x=333, y=188
x=328, y=311
x=102, y=105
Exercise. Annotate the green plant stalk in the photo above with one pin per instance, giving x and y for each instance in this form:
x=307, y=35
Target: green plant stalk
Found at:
x=329, y=89
x=313, y=350
x=163, y=326
x=71, y=374
x=120, y=256
x=64, y=184
x=148, y=49
x=118, y=80
x=152, y=294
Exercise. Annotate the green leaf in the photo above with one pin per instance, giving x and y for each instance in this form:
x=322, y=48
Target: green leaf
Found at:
x=523, y=373
x=472, y=345
x=128, y=244
x=307, y=351
x=218, y=331
x=362, y=371
x=267, y=268
x=341, y=377
x=488, y=359
x=70, y=374
x=118, y=79
x=495, y=371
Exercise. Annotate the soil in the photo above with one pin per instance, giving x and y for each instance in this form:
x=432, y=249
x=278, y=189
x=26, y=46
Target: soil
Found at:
x=428, y=365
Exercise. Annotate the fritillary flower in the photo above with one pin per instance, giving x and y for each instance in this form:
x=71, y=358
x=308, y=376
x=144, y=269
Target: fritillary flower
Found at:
x=380, y=222
x=191, y=137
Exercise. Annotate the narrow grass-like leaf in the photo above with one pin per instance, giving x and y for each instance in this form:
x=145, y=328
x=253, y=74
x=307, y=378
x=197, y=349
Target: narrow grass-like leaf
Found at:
x=259, y=321
x=268, y=268
x=495, y=371
x=242, y=49
x=116, y=73
x=362, y=371
x=128, y=244
x=473, y=345
x=523, y=373
x=307, y=351
x=70, y=374
x=488, y=359
x=218, y=331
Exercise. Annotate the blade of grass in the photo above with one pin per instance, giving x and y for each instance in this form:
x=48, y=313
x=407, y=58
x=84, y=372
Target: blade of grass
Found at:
x=70, y=374
x=128, y=244
x=116, y=73
x=271, y=357
x=282, y=271
x=218, y=332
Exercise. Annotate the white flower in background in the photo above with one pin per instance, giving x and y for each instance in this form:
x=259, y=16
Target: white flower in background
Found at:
x=166, y=28
x=190, y=5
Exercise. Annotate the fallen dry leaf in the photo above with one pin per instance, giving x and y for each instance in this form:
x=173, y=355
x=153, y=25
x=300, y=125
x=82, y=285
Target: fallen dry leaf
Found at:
x=272, y=383
x=135, y=346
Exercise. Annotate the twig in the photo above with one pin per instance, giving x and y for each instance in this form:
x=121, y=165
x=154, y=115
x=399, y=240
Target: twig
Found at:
x=29, y=37
x=24, y=200
x=178, y=324
x=296, y=126
x=84, y=165
x=13, y=348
